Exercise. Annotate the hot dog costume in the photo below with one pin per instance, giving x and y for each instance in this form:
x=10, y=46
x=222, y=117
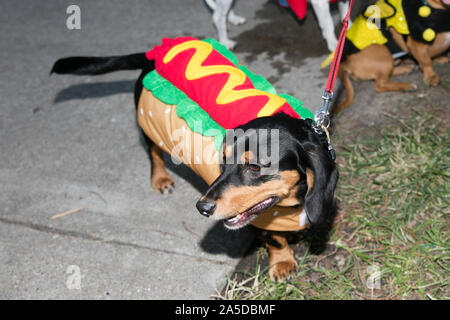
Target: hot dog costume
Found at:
x=198, y=90
x=413, y=18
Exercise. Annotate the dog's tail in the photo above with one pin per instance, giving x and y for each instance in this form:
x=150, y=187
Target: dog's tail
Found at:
x=101, y=65
x=348, y=88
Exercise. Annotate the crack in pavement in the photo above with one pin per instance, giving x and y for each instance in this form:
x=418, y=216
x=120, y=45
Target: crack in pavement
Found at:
x=85, y=236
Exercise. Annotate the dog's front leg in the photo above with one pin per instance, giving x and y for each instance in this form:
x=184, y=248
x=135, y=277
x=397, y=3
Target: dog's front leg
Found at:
x=419, y=51
x=282, y=263
x=322, y=10
x=220, y=15
x=343, y=7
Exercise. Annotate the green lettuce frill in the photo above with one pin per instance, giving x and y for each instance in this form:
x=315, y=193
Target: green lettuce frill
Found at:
x=196, y=118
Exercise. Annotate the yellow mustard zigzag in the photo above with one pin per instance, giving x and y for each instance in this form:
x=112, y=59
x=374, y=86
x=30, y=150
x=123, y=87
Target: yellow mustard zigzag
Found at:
x=237, y=77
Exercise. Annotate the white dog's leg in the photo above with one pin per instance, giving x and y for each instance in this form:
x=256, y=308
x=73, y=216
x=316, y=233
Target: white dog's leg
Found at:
x=221, y=10
x=343, y=8
x=232, y=17
x=322, y=10
x=235, y=19
x=211, y=4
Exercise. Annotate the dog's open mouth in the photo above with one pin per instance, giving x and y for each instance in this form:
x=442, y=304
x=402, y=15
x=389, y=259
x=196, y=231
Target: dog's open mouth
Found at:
x=249, y=215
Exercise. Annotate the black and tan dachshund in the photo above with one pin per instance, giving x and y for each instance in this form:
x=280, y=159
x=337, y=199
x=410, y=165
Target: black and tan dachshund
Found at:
x=305, y=175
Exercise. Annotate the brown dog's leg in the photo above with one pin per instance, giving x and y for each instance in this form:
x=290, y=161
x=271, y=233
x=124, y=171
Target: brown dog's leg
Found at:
x=398, y=38
x=384, y=68
x=383, y=83
x=403, y=69
x=419, y=51
x=160, y=178
x=441, y=59
x=281, y=258
x=424, y=52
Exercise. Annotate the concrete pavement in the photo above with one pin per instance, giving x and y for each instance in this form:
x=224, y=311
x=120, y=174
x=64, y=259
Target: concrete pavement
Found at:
x=70, y=142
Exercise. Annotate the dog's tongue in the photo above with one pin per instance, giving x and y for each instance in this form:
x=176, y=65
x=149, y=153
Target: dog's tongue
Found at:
x=447, y=2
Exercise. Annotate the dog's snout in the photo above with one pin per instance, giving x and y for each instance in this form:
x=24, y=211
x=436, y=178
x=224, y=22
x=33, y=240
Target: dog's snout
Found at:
x=206, y=207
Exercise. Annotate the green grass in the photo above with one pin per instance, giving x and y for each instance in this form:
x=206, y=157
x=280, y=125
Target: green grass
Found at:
x=393, y=197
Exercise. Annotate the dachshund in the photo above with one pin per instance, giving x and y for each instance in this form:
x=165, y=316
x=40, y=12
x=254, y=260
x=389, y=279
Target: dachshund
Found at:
x=299, y=177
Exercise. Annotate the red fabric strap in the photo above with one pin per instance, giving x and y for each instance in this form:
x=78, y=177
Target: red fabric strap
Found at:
x=338, y=53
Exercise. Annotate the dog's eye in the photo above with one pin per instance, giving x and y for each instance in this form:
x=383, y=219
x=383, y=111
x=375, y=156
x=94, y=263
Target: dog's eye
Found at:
x=254, y=167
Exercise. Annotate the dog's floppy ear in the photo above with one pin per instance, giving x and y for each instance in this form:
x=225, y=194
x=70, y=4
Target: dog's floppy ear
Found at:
x=321, y=177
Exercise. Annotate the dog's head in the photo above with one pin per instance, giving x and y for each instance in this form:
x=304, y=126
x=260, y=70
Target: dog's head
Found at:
x=271, y=161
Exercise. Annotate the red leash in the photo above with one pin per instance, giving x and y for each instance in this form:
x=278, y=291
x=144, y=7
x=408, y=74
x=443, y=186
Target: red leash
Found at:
x=322, y=114
x=338, y=53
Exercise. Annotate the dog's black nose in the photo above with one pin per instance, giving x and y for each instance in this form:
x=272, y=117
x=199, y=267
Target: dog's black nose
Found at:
x=205, y=207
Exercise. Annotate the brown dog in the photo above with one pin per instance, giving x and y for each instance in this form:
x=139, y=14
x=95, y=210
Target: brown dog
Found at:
x=370, y=49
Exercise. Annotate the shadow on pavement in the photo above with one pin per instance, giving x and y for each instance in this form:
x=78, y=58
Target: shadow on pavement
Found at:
x=233, y=243
x=94, y=90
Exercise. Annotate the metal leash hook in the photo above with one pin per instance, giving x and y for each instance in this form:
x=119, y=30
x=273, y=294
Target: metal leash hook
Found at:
x=322, y=114
x=320, y=117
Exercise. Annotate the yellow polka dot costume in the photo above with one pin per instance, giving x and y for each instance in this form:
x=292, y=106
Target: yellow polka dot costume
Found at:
x=408, y=17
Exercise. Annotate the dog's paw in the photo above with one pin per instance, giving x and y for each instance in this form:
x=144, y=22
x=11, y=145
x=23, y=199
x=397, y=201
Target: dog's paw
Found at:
x=163, y=185
x=229, y=44
x=410, y=87
x=282, y=270
x=431, y=79
x=235, y=19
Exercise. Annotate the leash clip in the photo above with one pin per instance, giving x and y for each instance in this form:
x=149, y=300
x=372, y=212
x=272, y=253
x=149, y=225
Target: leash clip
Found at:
x=321, y=117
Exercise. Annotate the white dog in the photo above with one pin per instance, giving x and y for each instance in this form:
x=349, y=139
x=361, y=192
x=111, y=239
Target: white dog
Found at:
x=223, y=12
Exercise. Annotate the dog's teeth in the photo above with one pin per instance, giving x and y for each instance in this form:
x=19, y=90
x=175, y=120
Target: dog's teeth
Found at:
x=234, y=219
